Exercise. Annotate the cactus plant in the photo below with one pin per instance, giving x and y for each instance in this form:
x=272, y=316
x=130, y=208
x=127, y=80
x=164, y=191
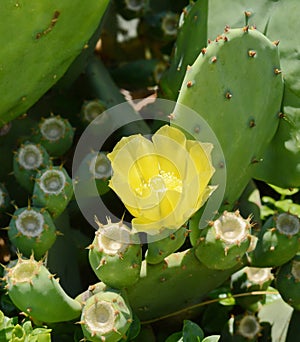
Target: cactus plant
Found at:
x=161, y=265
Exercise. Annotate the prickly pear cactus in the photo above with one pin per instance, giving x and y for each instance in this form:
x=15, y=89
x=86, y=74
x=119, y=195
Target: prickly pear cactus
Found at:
x=39, y=43
x=239, y=66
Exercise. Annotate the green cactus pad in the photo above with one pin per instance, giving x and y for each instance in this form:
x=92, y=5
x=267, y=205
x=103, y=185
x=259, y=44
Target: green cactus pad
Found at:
x=41, y=46
x=106, y=316
x=180, y=276
x=32, y=231
x=35, y=291
x=191, y=38
x=116, y=255
x=223, y=244
x=52, y=190
x=55, y=134
x=278, y=241
x=27, y=160
x=160, y=249
x=91, y=110
x=239, y=66
x=288, y=282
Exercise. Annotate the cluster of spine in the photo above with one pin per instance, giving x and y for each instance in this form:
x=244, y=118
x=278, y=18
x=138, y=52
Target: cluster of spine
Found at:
x=32, y=231
x=278, y=241
x=115, y=255
x=36, y=292
x=223, y=244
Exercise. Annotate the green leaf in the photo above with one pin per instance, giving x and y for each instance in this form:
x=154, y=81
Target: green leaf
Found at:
x=191, y=331
x=176, y=337
x=212, y=338
x=288, y=206
x=284, y=192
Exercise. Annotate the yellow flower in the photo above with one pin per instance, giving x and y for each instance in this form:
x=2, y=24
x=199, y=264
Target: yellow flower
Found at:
x=162, y=182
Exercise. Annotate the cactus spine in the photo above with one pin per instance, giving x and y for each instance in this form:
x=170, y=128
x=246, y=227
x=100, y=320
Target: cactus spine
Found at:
x=223, y=244
x=32, y=231
x=106, y=316
x=115, y=255
x=278, y=241
x=53, y=190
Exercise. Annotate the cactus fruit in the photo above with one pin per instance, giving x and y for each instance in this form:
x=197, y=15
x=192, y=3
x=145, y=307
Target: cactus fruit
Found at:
x=52, y=190
x=287, y=282
x=42, y=46
x=91, y=110
x=106, y=316
x=223, y=244
x=248, y=327
x=220, y=85
x=160, y=27
x=116, y=255
x=160, y=249
x=55, y=134
x=95, y=169
x=251, y=279
x=27, y=160
x=35, y=291
x=278, y=241
x=4, y=198
x=130, y=9
x=32, y=231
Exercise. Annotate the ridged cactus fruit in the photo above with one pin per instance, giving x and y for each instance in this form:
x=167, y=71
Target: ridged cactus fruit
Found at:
x=42, y=46
x=223, y=244
x=278, y=241
x=36, y=292
x=95, y=170
x=239, y=65
x=161, y=27
x=4, y=198
x=247, y=327
x=115, y=255
x=130, y=9
x=29, y=158
x=52, y=190
x=160, y=249
x=191, y=38
x=106, y=316
x=32, y=231
x=251, y=279
x=288, y=282
x=55, y=134
x=91, y=110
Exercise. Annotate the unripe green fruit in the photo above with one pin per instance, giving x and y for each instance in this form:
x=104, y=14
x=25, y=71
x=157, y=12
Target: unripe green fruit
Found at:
x=278, y=241
x=32, y=231
x=106, y=317
x=28, y=159
x=52, y=190
x=35, y=291
x=115, y=255
x=250, y=279
x=55, y=134
x=223, y=244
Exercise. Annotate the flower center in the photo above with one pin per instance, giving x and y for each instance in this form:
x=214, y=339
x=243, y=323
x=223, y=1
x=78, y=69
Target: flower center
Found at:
x=160, y=184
